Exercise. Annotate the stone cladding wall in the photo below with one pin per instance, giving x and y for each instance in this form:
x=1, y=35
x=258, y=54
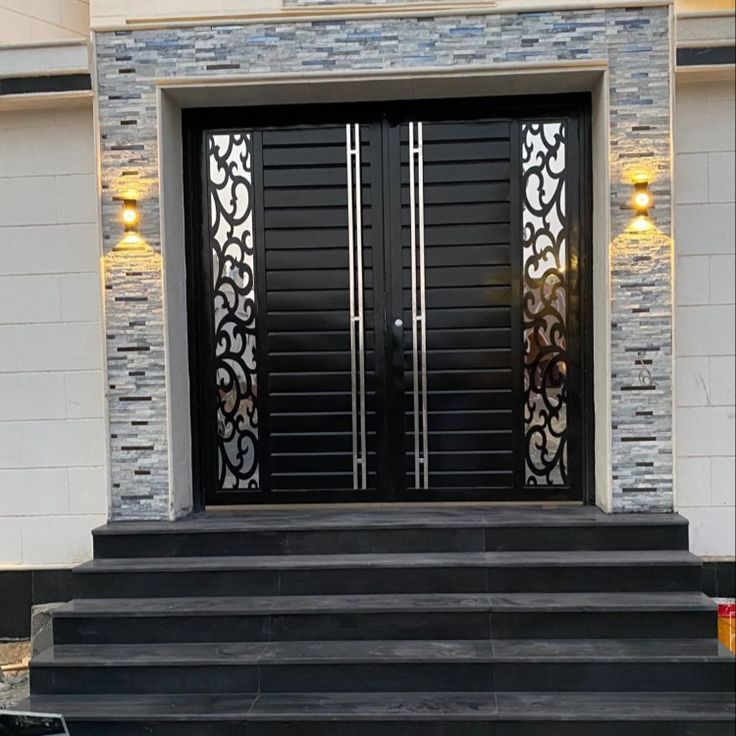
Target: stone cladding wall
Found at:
x=634, y=41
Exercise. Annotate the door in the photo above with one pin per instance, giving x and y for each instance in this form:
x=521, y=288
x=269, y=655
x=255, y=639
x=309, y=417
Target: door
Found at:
x=387, y=303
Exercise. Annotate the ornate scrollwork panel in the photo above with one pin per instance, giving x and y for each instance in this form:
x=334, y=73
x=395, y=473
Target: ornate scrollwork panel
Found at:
x=230, y=194
x=545, y=303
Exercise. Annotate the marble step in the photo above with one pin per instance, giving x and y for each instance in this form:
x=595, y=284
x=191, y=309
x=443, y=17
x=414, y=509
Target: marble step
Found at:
x=392, y=666
x=428, y=572
x=396, y=617
x=355, y=530
x=398, y=714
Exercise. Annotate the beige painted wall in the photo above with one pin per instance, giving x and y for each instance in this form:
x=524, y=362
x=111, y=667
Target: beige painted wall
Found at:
x=117, y=12
x=704, y=6
x=705, y=131
x=53, y=480
x=33, y=21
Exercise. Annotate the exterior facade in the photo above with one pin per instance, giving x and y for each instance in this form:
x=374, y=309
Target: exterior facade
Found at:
x=99, y=414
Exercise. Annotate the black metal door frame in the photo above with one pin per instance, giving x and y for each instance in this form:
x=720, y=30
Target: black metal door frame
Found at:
x=389, y=367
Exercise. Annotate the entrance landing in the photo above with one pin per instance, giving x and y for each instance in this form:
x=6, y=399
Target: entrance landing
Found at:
x=437, y=515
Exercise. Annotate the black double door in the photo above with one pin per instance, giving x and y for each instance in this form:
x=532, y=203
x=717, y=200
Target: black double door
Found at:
x=387, y=303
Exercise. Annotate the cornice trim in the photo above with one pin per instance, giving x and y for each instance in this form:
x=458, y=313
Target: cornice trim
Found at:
x=413, y=73
x=47, y=100
x=341, y=13
x=686, y=14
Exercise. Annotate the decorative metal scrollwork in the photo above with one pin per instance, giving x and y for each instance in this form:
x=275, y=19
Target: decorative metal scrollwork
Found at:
x=544, y=303
x=230, y=193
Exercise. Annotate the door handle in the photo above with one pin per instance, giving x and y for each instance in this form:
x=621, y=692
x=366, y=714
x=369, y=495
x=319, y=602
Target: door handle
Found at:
x=397, y=347
x=397, y=334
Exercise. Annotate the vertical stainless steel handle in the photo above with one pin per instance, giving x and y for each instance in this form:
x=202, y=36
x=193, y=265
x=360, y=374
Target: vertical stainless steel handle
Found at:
x=357, y=334
x=418, y=304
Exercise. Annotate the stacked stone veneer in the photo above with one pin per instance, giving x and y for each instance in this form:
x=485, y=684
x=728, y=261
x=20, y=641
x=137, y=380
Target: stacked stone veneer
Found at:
x=635, y=42
x=137, y=384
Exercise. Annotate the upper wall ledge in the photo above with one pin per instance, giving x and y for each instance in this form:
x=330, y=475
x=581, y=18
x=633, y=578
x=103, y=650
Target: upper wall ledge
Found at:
x=310, y=10
x=44, y=58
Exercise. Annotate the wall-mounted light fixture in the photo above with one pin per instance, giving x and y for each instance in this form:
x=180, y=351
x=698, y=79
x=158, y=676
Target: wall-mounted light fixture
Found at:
x=642, y=199
x=130, y=219
x=130, y=214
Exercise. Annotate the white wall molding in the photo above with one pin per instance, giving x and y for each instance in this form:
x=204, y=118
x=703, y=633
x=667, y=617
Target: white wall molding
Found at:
x=174, y=94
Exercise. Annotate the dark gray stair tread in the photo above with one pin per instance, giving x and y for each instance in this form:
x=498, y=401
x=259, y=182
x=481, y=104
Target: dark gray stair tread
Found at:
x=613, y=650
x=374, y=706
x=403, y=560
x=616, y=706
x=266, y=605
x=199, y=707
x=394, y=517
x=294, y=706
x=341, y=652
x=275, y=605
x=555, y=706
x=115, y=655
x=595, y=602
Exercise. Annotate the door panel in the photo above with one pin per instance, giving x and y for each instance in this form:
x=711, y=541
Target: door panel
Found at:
x=456, y=306
x=391, y=307
x=310, y=282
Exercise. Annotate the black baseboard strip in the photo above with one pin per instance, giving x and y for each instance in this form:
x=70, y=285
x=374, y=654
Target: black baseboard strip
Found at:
x=21, y=589
x=719, y=579
x=48, y=84
x=706, y=56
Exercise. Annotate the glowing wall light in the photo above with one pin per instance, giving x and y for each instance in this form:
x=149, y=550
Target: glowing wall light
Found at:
x=130, y=219
x=642, y=199
x=130, y=215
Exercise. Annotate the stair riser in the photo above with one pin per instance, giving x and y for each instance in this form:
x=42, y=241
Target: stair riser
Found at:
x=366, y=541
x=304, y=728
x=393, y=677
x=406, y=728
x=624, y=578
x=389, y=626
x=587, y=728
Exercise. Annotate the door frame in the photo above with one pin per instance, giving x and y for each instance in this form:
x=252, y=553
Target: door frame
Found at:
x=199, y=312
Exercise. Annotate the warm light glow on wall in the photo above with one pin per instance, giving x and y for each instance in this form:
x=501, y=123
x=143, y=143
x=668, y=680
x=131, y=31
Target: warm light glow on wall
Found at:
x=132, y=242
x=641, y=224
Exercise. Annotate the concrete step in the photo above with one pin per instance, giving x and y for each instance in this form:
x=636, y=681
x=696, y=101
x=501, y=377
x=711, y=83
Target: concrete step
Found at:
x=427, y=572
x=398, y=714
x=356, y=530
x=393, y=666
x=396, y=616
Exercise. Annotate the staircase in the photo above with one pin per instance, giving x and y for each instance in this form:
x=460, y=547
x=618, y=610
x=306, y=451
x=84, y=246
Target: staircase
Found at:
x=439, y=621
